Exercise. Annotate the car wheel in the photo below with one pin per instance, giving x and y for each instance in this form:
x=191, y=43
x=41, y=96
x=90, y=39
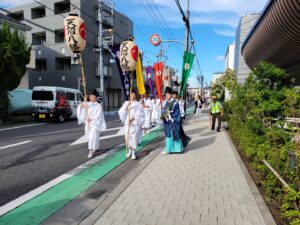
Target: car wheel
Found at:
x=61, y=118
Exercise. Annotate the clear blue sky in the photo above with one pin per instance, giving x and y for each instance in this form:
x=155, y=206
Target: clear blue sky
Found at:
x=213, y=25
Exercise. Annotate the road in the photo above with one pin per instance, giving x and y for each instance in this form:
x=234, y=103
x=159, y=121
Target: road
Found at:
x=35, y=154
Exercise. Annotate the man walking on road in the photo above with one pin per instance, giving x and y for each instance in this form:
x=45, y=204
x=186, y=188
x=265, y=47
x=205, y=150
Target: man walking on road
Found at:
x=132, y=115
x=91, y=114
x=215, y=112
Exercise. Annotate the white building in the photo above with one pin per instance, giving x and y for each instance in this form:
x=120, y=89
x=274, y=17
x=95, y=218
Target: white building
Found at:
x=216, y=76
x=229, y=57
x=240, y=67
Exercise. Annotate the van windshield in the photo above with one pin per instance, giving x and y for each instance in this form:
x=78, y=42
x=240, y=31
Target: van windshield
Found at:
x=42, y=95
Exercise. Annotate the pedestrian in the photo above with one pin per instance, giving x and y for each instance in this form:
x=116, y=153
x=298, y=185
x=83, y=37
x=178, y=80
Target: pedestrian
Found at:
x=185, y=139
x=147, y=107
x=171, y=121
x=156, y=112
x=91, y=115
x=132, y=116
x=198, y=106
x=215, y=112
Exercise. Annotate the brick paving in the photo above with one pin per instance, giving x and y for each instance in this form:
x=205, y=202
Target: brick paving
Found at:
x=203, y=186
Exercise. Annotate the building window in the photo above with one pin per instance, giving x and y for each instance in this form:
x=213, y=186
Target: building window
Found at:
x=40, y=64
x=39, y=38
x=17, y=15
x=38, y=12
x=63, y=63
x=59, y=36
x=61, y=7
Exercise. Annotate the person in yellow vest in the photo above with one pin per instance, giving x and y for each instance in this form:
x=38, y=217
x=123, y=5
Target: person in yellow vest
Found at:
x=215, y=112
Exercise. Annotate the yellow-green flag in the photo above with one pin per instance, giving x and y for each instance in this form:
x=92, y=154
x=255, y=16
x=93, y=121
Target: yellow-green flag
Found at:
x=139, y=77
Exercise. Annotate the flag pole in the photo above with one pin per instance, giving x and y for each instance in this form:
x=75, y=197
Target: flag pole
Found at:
x=84, y=87
x=129, y=108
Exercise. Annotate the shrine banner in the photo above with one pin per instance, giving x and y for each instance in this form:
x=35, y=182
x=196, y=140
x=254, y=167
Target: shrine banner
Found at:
x=158, y=69
x=149, y=78
x=124, y=76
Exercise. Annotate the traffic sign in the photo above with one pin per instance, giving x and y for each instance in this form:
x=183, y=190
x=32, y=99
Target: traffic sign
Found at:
x=155, y=39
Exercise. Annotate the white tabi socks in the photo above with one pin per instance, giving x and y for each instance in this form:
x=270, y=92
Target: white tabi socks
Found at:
x=133, y=155
x=129, y=153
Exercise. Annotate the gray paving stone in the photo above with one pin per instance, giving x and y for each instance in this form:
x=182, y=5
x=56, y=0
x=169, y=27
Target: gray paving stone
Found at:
x=203, y=186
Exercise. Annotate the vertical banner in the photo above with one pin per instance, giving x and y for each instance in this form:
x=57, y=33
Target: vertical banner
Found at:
x=124, y=76
x=149, y=78
x=188, y=60
x=158, y=69
x=139, y=77
x=167, y=78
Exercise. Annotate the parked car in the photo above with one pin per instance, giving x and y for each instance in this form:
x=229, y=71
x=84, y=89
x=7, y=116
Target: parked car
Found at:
x=55, y=103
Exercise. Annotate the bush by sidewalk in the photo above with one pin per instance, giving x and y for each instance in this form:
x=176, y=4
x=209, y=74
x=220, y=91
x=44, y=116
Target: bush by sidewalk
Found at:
x=257, y=115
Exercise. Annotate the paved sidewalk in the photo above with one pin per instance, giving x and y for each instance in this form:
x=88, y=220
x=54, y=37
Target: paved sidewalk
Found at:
x=206, y=185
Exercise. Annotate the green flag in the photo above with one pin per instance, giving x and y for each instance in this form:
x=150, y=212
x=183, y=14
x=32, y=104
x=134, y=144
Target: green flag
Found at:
x=188, y=60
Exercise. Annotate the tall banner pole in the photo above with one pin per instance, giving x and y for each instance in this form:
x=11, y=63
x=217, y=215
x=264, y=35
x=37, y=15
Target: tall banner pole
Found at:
x=129, y=108
x=84, y=87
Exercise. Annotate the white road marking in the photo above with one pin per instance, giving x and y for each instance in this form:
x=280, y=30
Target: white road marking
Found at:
x=83, y=139
x=30, y=125
x=24, y=198
x=16, y=144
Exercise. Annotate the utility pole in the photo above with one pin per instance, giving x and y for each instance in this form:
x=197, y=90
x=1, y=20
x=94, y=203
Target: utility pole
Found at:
x=101, y=63
x=187, y=26
x=187, y=33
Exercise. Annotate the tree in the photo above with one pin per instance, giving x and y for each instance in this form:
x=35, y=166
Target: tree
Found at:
x=14, y=56
x=227, y=82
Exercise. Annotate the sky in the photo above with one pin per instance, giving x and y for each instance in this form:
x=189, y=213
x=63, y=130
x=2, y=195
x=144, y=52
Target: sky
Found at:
x=213, y=25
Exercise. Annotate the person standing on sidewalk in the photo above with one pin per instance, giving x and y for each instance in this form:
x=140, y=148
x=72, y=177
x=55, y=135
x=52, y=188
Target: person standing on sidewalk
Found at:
x=132, y=116
x=91, y=114
x=185, y=139
x=171, y=121
x=215, y=112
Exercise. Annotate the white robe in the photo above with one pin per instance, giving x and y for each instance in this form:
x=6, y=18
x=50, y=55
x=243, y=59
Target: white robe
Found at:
x=92, y=129
x=137, y=114
x=147, y=112
x=181, y=107
x=156, y=113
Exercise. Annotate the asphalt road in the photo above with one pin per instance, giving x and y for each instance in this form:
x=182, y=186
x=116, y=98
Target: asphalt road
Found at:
x=43, y=153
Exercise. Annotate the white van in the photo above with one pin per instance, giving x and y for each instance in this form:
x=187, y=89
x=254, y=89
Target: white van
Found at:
x=55, y=103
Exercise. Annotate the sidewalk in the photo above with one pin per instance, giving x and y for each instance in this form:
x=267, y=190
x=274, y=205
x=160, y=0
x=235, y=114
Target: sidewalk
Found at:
x=207, y=185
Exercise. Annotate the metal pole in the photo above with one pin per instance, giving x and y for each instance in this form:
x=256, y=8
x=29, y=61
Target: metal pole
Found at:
x=187, y=32
x=101, y=64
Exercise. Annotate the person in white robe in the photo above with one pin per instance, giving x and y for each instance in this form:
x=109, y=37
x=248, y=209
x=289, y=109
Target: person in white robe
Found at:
x=91, y=115
x=147, y=107
x=156, y=112
x=132, y=116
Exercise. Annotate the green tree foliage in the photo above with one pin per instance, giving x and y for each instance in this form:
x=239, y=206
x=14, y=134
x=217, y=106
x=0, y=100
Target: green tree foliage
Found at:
x=14, y=56
x=257, y=115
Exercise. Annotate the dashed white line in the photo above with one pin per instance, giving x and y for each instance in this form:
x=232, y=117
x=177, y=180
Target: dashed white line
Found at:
x=30, y=125
x=16, y=144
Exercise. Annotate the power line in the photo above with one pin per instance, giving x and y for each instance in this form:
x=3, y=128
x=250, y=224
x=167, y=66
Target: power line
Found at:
x=166, y=25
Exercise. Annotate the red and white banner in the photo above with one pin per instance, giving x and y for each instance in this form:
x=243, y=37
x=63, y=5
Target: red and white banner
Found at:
x=158, y=69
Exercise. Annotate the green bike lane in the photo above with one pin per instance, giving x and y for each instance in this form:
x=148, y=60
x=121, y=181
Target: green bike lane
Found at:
x=36, y=210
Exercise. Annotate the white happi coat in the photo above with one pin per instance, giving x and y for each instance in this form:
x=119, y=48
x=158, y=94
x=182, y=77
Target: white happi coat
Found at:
x=147, y=112
x=137, y=114
x=181, y=107
x=156, y=113
x=92, y=129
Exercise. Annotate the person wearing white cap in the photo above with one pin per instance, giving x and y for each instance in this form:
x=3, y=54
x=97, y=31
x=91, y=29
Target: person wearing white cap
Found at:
x=91, y=115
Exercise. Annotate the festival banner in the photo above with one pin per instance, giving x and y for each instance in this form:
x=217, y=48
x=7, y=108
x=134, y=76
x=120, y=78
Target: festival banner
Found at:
x=158, y=69
x=124, y=76
x=139, y=77
x=188, y=60
x=149, y=78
